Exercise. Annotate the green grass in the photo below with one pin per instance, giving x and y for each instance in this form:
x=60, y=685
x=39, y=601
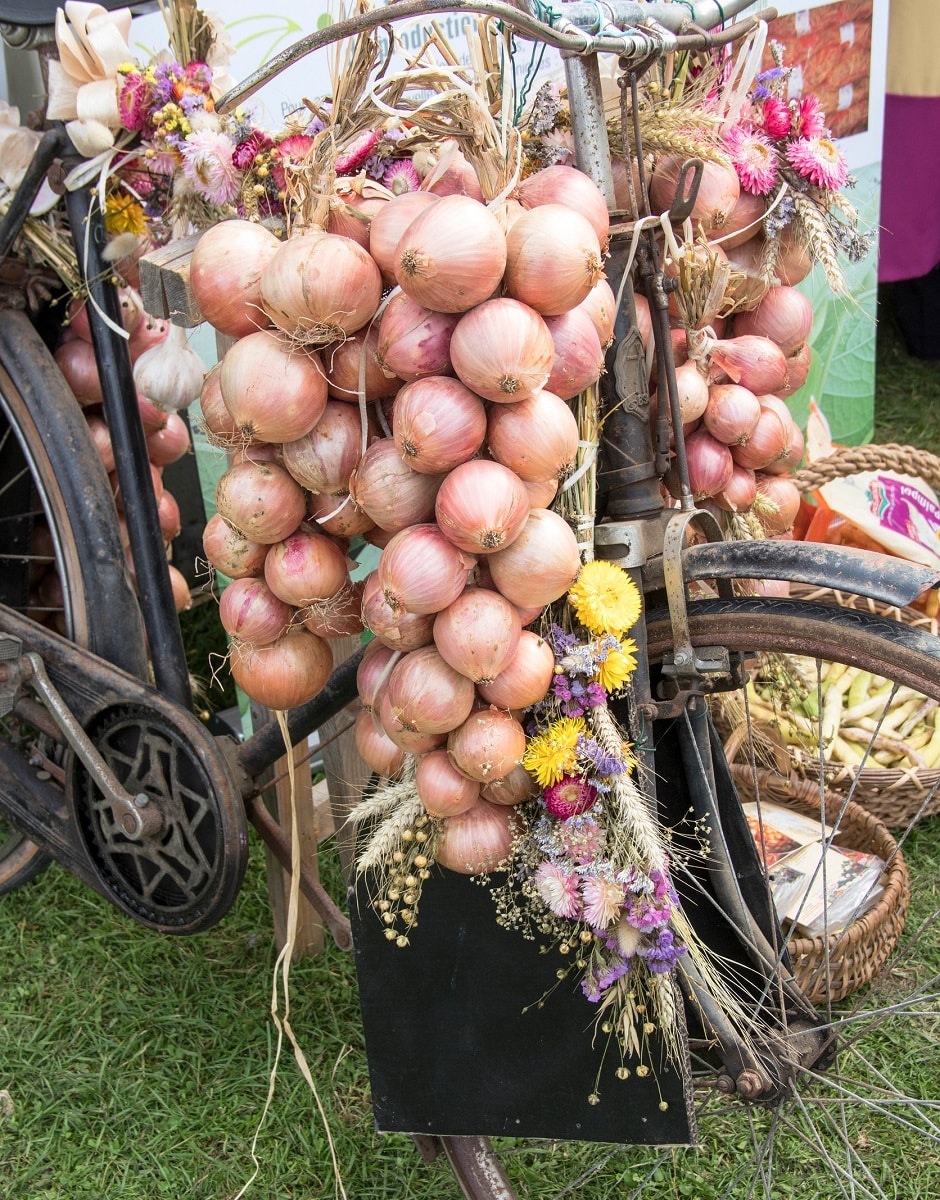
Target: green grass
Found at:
x=907, y=390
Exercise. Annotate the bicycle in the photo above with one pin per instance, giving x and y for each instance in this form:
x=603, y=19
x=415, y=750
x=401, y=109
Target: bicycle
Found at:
x=111, y=824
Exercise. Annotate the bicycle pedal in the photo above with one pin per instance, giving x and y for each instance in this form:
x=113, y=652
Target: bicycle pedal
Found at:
x=10, y=648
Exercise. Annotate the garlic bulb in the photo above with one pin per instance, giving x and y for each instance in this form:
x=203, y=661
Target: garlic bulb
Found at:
x=171, y=373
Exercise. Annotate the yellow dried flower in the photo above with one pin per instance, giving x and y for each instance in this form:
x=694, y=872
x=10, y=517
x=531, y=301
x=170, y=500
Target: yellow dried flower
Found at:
x=618, y=666
x=552, y=754
x=605, y=598
x=123, y=214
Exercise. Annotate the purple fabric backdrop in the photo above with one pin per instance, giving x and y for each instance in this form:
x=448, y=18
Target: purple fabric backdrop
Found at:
x=910, y=188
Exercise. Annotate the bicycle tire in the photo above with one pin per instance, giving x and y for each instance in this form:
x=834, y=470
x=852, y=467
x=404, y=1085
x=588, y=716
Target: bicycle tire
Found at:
x=50, y=471
x=810, y=1139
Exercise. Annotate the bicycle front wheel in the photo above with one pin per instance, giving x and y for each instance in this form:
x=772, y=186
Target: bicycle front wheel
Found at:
x=841, y=1125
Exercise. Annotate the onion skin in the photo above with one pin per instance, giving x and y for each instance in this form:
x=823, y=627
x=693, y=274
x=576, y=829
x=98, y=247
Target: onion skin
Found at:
x=540, y=494
x=182, y=597
x=481, y=506
x=769, y=443
x=553, y=259
x=261, y=500
x=169, y=444
x=229, y=551
x=744, y=221
x=76, y=360
x=421, y=571
x=710, y=464
x=718, y=193
x=579, y=359
x=393, y=627
x=478, y=634
x=426, y=695
x=739, y=492
x=273, y=392
x=527, y=676
x=414, y=341
x=513, y=788
x=441, y=788
x=458, y=177
x=781, y=493
x=407, y=739
x=286, y=674
x=437, y=423
x=601, y=306
x=502, y=350
x=322, y=459
x=388, y=225
x=452, y=255
x=376, y=748
x=250, y=612
x=541, y=564
x=559, y=184
x=389, y=491
x=168, y=513
x=756, y=363
x=217, y=421
x=102, y=438
x=343, y=363
x=373, y=671
x=338, y=514
x=784, y=315
x=304, y=567
x=537, y=438
x=477, y=840
x=488, y=745
x=225, y=274
x=731, y=413
x=798, y=365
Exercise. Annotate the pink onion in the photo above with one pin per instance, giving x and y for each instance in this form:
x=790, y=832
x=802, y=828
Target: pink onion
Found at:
x=482, y=506
x=601, y=306
x=229, y=551
x=217, y=421
x=351, y=214
x=286, y=674
x=389, y=491
x=537, y=438
x=731, y=413
x=255, y=452
x=526, y=678
x=262, y=500
x=782, y=410
x=566, y=185
x=553, y=259
x=718, y=193
x=747, y=289
x=478, y=840
x=738, y=493
x=426, y=695
x=488, y=745
x=168, y=514
x=710, y=464
x=274, y=393
x=778, y=502
x=769, y=443
x=337, y=616
x=320, y=287
x=793, y=457
x=132, y=313
x=502, y=350
x=756, y=363
x=540, y=564
x=541, y=494
x=251, y=612
x=323, y=458
x=345, y=361
x=169, y=444
x=149, y=333
x=784, y=315
x=373, y=672
x=182, y=596
x=76, y=361
x=456, y=177
x=304, y=567
x=225, y=273
x=693, y=391
x=794, y=261
x=407, y=739
x=452, y=255
x=644, y=319
x=744, y=221
x=151, y=417
x=478, y=634
x=393, y=627
x=98, y=428
x=388, y=225
x=579, y=359
x=441, y=788
x=376, y=748
x=414, y=341
x=338, y=514
x=438, y=423
x=421, y=571
x=798, y=365
x=513, y=788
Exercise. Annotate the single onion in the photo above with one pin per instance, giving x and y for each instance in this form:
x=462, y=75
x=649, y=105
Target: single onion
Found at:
x=407, y=739
x=320, y=287
x=351, y=214
x=255, y=452
x=323, y=458
x=354, y=358
x=151, y=417
x=540, y=564
x=389, y=491
x=438, y=423
x=798, y=365
x=414, y=341
x=481, y=506
x=644, y=318
x=388, y=225
x=769, y=443
x=559, y=184
x=513, y=788
x=601, y=306
x=478, y=634
x=426, y=695
x=441, y=788
x=756, y=363
x=373, y=671
x=710, y=464
x=738, y=493
x=304, y=567
x=393, y=627
x=553, y=259
x=262, y=500
x=579, y=359
x=478, y=840
x=421, y=571
x=693, y=391
x=336, y=616
x=251, y=612
x=784, y=315
x=275, y=393
x=778, y=502
x=487, y=745
x=376, y=748
x=225, y=273
x=450, y=173
x=744, y=221
x=76, y=361
x=525, y=679
x=718, y=192
x=452, y=255
x=541, y=494
x=169, y=444
x=747, y=285
x=731, y=413
x=132, y=313
x=217, y=421
x=794, y=262
x=168, y=514
x=286, y=674
x=229, y=551
x=149, y=333
x=338, y=514
x=537, y=438
x=793, y=457
x=782, y=410
x=502, y=350
x=98, y=428
x=182, y=596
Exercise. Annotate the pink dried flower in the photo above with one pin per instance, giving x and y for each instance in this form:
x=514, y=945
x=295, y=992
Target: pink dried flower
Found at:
x=569, y=796
x=357, y=152
x=400, y=177
x=808, y=120
x=581, y=840
x=775, y=116
x=603, y=901
x=558, y=889
x=245, y=152
x=753, y=158
x=819, y=160
x=207, y=164
x=199, y=76
x=135, y=101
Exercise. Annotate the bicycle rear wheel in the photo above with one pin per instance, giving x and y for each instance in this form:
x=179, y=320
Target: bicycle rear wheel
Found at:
x=837, y=1128
x=60, y=551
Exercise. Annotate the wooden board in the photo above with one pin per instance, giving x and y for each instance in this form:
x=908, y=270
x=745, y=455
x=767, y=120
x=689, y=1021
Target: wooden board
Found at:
x=164, y=283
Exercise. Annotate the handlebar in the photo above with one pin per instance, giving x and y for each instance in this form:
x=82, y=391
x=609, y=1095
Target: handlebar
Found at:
x=624, y=27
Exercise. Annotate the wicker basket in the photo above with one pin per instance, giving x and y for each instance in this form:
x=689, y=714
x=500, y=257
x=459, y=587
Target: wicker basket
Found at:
x=896, y=797
x=858, y=953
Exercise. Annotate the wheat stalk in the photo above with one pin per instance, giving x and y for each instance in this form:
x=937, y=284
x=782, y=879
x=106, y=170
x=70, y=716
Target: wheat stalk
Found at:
x=387, y=837
x=636, y=824
x=819, y=241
